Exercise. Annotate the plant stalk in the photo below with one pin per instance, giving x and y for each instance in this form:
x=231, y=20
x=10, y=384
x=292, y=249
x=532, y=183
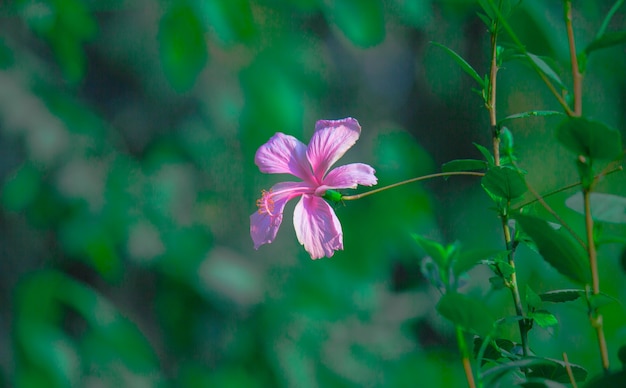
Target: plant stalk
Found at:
x=465, y=356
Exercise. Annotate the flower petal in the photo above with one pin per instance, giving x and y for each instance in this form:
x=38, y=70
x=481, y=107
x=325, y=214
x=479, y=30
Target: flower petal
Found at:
x=348, y=177
x=265, y=222
x=283, y=154
x=332, y=138
x=317, y=227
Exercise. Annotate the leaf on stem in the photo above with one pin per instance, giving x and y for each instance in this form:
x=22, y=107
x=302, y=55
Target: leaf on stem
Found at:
x=486, y=154
x=436, y=251
x=464, y=65
x=560, y=296
x=604, y=207
x=557, y=248
x=546, y=69
x=504, y=182
x=532, y=113
x=605, y=41
x=469, y=313
x=592, y=139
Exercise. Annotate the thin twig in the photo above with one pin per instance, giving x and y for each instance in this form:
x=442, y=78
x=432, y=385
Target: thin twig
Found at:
x=568, y=368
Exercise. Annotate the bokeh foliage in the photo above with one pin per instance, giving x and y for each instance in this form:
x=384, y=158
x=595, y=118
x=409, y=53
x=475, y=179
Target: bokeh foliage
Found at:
x=127, y=138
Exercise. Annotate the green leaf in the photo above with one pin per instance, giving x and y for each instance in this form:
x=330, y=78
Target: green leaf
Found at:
x=607, y=40
x=495, y=350
x=557, y=248
x=436, y=251
x=532, y=299
x=589, y=138
x=604, y=207
x=560, y=296
x=469, y=313
x=486, y=154
x=464, y=165
x=556, y=370
x=544, y=318
x=546, y=69
x=532, y=113
x=464, y=65
x=362, y=21
x=182, y=47
x=232, y=20
x=468, y=259
x=504, y=182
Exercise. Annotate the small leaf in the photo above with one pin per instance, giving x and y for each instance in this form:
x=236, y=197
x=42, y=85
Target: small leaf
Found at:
x=607, y=40
x=532, y=299
x=501, y=349
x=557, y=248
x=468, y=259
x=544, y=318
x=589, y=138
x=504, y=182
x=469, y=313
x=560, y=296
x=604, y=207
x=464, y=65
x=464, y=165
x=532, y=113
x=546, y=69
x=433, y=249
x=486, y=154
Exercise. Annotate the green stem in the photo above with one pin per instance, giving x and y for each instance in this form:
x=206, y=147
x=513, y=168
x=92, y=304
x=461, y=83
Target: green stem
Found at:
x=465, y=356
x=419, y=178
x=576, y=75
x=594, y=316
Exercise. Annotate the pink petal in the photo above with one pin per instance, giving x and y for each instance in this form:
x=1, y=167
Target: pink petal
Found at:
x=332, y=138
x=317, y=227
x=348, y=177
x=265, y=222
x=283, y=154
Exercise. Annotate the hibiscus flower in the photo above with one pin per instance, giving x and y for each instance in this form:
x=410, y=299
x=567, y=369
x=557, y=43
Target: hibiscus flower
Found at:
x=314, y=220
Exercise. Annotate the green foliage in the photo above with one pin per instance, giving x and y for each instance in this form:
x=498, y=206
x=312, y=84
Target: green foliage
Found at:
x=466, y=67
x=464, y=165
x=362, y=21
x=556, y=247
x=183, y=48
x=589, y=138
x=469, y=313
x=504, y=183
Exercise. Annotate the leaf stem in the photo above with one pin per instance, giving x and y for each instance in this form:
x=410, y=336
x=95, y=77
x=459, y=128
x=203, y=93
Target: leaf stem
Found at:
x=419, y=178
x=570, y=374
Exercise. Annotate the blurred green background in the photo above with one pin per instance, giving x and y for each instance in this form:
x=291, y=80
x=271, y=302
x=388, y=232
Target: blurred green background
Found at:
x=127, y=139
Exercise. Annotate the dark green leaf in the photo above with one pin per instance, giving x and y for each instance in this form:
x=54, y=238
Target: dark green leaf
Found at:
x=464, y=65
x=469, y=313
x=604, y=207
x=182, y=48
x=502, y=348
x=555, y=370
x=464, y=165
x=607, y=40
x=612, y=379
x=560, y=296
x=504, y=182
x=532, y=113
x=589, y=138
x=557, y=248
x=362, y=21
x=540, y=382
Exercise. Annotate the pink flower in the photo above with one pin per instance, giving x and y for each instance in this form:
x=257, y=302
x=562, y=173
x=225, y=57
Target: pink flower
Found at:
x=314, y=220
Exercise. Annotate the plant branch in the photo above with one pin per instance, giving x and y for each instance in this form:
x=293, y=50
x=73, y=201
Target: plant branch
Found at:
x=419, y=178
x=576, y=75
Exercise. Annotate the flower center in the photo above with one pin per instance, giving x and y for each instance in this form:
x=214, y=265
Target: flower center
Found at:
x=265, y=203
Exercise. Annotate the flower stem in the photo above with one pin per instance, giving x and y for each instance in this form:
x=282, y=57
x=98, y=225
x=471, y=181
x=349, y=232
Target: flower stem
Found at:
x=576, y=75
x=419, y=178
